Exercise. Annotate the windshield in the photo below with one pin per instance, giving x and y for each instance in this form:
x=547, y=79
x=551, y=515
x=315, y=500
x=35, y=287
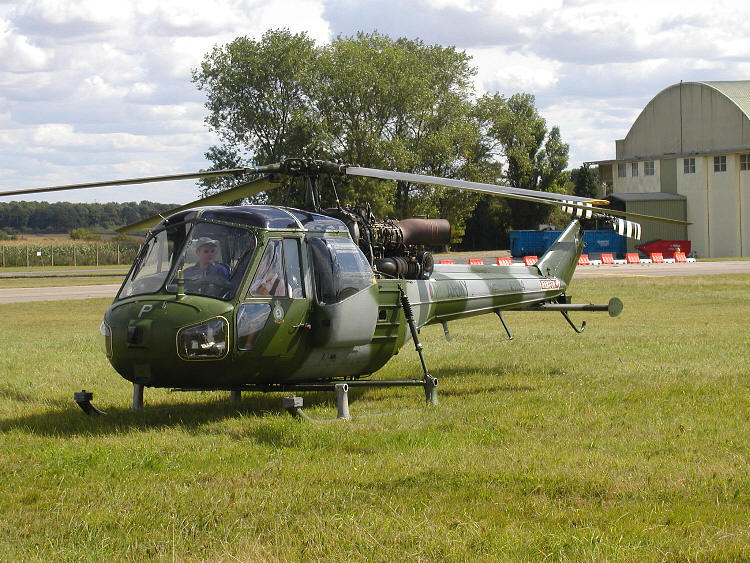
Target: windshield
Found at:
x=153, y=263
x=213, y=259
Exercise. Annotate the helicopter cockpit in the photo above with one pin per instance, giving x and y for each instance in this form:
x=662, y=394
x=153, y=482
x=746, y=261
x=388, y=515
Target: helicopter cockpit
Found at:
x=213, y=258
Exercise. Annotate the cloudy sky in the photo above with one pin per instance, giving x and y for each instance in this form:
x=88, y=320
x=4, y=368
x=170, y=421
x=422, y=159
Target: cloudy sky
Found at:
x=96, y=90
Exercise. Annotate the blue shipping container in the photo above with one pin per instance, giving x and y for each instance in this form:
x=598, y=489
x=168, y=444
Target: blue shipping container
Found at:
x=596, y=242
x=536, y=243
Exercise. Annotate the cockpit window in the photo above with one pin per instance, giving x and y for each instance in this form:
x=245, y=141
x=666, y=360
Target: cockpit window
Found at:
x=213, y=259
x=341, y=270
x=269, y=278
x=153, y=263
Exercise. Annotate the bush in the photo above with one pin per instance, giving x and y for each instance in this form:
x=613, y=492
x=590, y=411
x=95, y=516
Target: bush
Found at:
x=125, y=239
x=83, y=234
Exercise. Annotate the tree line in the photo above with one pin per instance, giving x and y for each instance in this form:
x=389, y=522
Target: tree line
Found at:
x=379, y=102
x=62, y=217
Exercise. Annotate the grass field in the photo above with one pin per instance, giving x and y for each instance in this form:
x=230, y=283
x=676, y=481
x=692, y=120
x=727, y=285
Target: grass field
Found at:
x=627, y=442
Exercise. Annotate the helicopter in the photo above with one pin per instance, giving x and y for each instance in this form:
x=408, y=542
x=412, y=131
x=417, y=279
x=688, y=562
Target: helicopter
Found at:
x=314, y=299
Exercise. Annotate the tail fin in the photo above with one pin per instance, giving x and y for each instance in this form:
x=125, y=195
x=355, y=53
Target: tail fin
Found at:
x=562, y=257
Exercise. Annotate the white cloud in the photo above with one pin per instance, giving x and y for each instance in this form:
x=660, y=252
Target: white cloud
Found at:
x=95, y=90
x=17, y=53
x=512, y=71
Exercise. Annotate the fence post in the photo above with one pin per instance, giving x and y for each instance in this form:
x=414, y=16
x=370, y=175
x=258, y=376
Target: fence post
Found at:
x=97, y=254
x=52, y=255
x=3, y=257
x=27, y=256
x=74, y=255
x=118, y=254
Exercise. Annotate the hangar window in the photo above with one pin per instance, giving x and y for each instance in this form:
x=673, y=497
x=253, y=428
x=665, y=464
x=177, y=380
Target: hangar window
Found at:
x=648, y=168
x=745, y=162
x=634, y=169
x=620, y=170
x=689, y=165
x=720, y=163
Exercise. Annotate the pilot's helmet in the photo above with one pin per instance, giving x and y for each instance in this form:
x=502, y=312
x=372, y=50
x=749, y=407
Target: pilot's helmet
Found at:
x=203, y=241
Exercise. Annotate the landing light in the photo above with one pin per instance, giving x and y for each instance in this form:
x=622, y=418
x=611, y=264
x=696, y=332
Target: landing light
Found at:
x=206, y=341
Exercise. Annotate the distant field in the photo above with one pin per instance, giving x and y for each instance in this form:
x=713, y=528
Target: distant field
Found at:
x=57, y=239
x=627, y=442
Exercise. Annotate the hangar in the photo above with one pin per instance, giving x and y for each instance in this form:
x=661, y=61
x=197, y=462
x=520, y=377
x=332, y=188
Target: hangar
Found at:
x=691, y=140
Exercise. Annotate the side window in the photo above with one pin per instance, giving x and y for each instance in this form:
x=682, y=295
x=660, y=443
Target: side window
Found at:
x=251, y=318
x=341, y=270
x=293, y=268
x=269, y=279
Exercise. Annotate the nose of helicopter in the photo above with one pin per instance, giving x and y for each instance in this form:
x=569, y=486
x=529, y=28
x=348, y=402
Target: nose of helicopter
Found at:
x=166, y=341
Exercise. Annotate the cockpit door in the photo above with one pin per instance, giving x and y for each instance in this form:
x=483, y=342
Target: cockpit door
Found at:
x=272, y=318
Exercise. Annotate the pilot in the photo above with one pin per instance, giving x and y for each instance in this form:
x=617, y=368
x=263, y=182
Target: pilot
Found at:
x=206, y=267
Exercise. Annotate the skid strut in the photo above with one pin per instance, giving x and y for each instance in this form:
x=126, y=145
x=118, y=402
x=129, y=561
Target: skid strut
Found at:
x=83, y=400
x=430, y=382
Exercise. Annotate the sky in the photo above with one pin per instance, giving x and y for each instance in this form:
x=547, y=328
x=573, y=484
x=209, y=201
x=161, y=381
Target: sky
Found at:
x=93, y=90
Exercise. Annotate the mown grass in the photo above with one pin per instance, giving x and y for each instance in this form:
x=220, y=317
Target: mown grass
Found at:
x=627, y=442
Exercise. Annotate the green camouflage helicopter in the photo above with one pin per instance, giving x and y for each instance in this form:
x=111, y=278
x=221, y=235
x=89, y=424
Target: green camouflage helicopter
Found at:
x=282, y=299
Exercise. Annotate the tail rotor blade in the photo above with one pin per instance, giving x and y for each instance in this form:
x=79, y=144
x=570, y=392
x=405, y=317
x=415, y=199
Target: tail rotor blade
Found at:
x=627, y=228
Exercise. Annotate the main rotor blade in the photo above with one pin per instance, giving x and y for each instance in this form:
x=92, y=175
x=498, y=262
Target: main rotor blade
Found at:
x=130, y=181
x=247, y=189
x=533, y=196
x=505, y=191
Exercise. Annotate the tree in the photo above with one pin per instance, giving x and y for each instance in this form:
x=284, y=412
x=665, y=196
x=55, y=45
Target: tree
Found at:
x=259, y=100
x=586, y=181
x=83, y=234
x=535, y=157
x=406, y=107
x=367, y=99
x=376, y=102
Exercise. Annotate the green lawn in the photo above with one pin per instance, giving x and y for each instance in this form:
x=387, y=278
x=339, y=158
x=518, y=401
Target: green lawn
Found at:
x=627, y=442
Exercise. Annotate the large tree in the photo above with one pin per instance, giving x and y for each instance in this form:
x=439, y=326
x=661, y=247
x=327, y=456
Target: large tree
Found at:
x=534, y=155
x=259, y=100
x=378, y=102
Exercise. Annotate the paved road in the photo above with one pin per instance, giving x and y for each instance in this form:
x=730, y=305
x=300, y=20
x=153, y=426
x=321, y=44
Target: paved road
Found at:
x=658, y=270
x=17, y=295
x=110, y=272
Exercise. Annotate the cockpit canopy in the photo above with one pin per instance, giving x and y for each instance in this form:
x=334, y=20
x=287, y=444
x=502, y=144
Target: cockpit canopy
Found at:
x=212, y=257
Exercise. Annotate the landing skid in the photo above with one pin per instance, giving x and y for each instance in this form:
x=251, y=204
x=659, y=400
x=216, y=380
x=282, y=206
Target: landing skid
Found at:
x=293, y=404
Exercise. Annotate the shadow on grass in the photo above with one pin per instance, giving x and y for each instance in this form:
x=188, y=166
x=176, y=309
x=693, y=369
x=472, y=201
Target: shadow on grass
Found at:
x=492, y=388
x=491, y=381
x=67, y=420
x=64, y=419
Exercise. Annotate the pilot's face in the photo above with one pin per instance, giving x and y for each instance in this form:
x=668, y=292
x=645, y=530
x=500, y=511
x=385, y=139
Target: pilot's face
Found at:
x=205, y=254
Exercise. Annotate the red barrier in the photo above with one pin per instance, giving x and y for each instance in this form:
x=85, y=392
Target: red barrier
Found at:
x=657, y=258
x=445, y=262
x=680, y=257
x=607, y=258
x=504, y=261
x=530, y=260
x=633, y=258
x=476, y=261
x=666, y=247
x=583, y=260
